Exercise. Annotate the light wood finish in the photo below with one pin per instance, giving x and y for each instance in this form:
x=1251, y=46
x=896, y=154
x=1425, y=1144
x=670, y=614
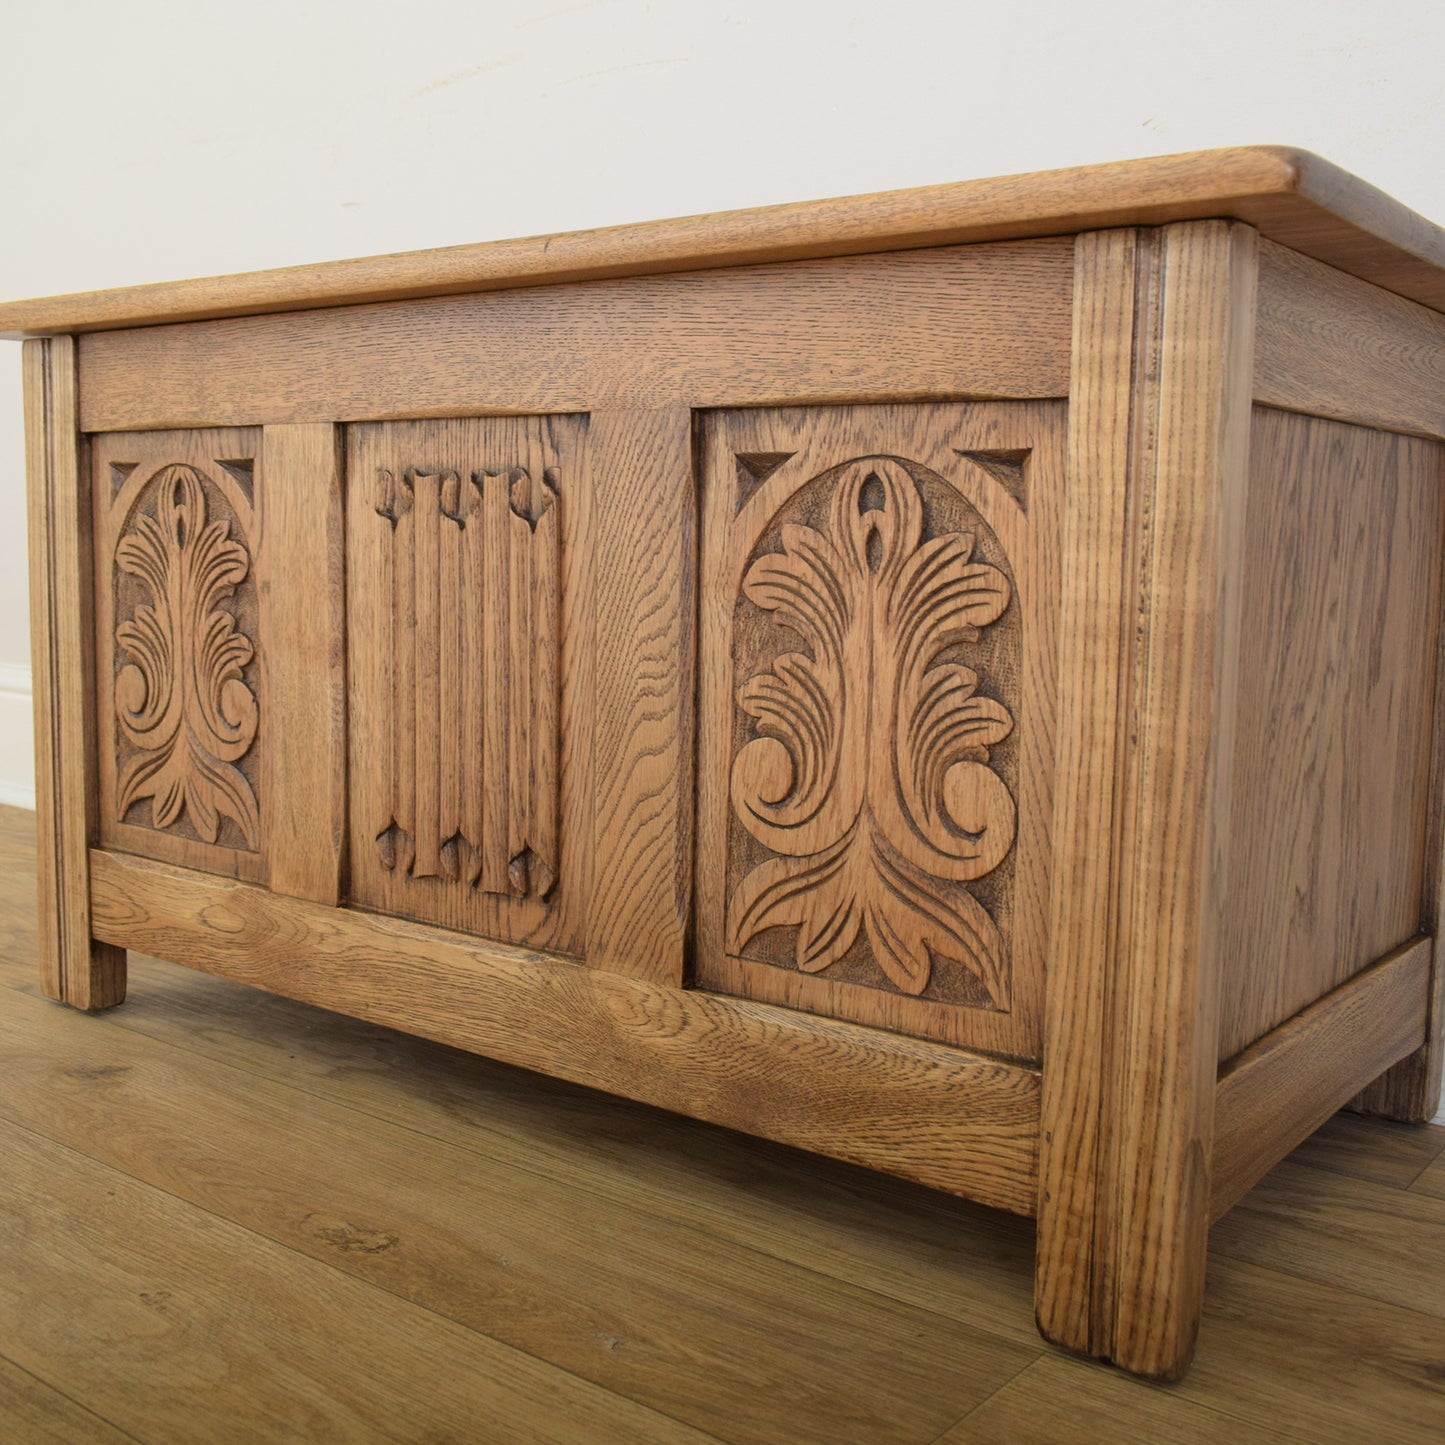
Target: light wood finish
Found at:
x=1291, y=196
x=1344, y=535
x=1411, y=1091
x=971, y=320
x=1305, y=1345
x=1155, y=1048
x=646, y=563
x=1163, y=1031
x=467, y=786
x=74, y=967
x=1280, y=1090
x=833, y=812
x=183, y=719
x=1116, y=299
x=1332, y=345
x=352, y=1378
x=30, y=1410
x=857, y=674
x=1397, y=1155
x=472, y=1254
x=1064, y=1402
x=1431, y=1180
x=302, y=619
x=956, y=1121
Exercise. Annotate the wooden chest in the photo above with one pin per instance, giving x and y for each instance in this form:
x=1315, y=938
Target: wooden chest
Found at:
x=946, y=679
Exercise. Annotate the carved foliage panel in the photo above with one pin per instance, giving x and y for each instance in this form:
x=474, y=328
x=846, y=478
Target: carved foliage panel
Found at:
x=180, y=714
x=870, y=731
x=455, y=609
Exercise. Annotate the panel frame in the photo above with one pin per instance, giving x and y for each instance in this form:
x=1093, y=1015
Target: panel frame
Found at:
x=956, y=1121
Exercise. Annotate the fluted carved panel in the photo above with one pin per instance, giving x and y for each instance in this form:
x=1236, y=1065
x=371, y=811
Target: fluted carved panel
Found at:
x=180, y=725
x=456, y=670
x=866, y=718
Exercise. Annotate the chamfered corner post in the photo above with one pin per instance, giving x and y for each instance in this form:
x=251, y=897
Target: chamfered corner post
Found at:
x=75, y=968
x=1160, y=411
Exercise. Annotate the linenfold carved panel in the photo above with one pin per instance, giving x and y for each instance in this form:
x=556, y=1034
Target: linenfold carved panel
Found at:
x=456, y=661
x=180, y=724
x=866, y=724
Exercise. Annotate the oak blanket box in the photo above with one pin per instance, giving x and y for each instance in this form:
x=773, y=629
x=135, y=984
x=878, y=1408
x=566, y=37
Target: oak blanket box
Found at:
x=947, y=679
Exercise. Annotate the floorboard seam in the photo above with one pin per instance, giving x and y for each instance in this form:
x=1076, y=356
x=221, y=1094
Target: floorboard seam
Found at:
x=357, y=1279
x=115, y=1020
x=66, y=1395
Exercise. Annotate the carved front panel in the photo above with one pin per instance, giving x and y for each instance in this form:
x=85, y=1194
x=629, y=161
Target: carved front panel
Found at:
x=456, y=611
x=874, y=725
x=180, y=726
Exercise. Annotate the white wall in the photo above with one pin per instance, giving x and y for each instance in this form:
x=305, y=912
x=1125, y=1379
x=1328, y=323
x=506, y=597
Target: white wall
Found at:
x=155, y=139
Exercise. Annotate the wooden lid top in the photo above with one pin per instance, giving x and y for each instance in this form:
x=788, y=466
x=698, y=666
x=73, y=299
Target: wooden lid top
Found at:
x=1291, y=196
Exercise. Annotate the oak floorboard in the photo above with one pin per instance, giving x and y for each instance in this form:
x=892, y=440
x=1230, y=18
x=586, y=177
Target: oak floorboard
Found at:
x=650, y=1309
x=1431, y=1181
x=914, y=1244
x=1309, y=1360
x=1327, y=1366
x=1340, y=1231
x=182, y=1326
x=1373, y=1149
x=1059, y=1401
x=38, y=1414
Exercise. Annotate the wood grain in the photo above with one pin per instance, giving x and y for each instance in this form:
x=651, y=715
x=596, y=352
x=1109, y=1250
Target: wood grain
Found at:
x=1344, y=532
x=941, y=934
x=1411, y=1091
x=1283, y=1087
x=1305, y=1357
x=468, y=738
x=1341, y=1232
x=182, y=715
x=953, y=1120
x=498, y=1250
x=1332, y=345
x=1391, y=1154
x=178, y=1343
x=1184, y=671
x=974, y=320
x=1333, y=1366
x=30, y=1410
x=1291, y=196
x=1115, y=319
x=646, y=662
x=74, y=967
x=1067, y=1402
x=302, y=564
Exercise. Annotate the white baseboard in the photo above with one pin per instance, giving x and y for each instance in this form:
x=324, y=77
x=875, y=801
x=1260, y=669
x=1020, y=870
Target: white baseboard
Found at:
x=17, y=737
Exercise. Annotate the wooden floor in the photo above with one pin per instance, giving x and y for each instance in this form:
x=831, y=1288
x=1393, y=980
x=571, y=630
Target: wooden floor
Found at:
x=224, y=1216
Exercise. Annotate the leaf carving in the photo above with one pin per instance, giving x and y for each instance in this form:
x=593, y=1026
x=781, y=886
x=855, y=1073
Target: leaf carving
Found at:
x=181, y=699
x=868, y=776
